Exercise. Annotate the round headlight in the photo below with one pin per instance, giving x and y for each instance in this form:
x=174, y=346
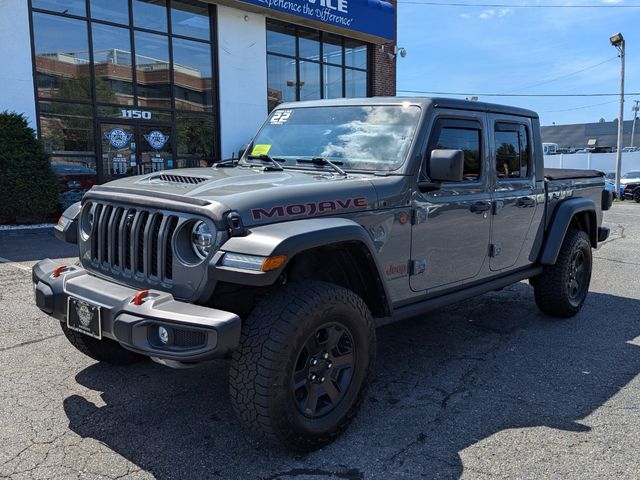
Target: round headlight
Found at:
x=202, y=239
x=86, y=220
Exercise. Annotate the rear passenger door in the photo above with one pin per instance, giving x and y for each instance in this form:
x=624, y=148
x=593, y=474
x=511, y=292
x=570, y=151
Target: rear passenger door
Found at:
x=452, y=223
x=515, y=199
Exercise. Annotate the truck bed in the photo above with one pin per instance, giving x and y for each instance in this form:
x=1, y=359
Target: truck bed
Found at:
x=570, y=173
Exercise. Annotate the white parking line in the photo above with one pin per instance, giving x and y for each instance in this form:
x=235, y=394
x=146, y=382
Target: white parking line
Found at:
x=14, y=264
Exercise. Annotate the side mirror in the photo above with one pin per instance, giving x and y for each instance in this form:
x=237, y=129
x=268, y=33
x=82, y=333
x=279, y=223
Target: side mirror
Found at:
x=446, y=165
x=242, y=150
x=67, y=227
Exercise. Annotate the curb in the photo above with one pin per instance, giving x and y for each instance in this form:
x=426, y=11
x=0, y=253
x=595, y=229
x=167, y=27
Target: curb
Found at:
x=26, y=228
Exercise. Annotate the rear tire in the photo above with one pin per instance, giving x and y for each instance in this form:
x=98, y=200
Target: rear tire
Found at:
x=105, y=350
x=300, y=373
x=561, y=289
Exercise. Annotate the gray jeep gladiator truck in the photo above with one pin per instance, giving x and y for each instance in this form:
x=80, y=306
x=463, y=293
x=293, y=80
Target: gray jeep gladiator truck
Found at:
x=340, y=216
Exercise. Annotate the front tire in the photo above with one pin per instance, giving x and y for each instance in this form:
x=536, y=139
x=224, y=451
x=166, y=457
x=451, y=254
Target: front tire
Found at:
x=636, y=195
x=301, y=370
x=105, y=350
x=561, y=289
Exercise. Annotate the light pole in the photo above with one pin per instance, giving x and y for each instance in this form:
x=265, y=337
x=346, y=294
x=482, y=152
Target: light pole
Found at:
x=617, y=40
x=635, y=109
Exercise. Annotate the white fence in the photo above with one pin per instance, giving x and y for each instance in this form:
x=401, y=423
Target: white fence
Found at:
x=605, y=162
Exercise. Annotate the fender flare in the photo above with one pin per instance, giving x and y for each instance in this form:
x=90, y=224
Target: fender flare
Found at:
x=290, y=239
x=560, y=221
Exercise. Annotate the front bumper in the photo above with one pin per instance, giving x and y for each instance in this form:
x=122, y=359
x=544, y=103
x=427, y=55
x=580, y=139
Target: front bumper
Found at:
x=198, y=333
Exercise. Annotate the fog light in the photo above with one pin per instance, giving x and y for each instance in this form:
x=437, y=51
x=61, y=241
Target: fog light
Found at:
x=163, y=334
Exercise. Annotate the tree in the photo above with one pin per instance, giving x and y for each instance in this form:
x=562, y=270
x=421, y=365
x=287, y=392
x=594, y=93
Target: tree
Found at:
x=28, y=185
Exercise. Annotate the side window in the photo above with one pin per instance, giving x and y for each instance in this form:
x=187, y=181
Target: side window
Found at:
x=468, y=140
x=512, y=151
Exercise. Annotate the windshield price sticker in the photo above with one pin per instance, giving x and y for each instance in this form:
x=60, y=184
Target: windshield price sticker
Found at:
x=281, y=117
x=261, y=149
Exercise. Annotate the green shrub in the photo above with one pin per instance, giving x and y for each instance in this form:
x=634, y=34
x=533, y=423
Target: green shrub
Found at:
x=28, y=185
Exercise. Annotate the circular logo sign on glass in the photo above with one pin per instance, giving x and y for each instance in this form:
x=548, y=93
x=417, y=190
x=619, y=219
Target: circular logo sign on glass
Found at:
x=118, y=138
x=156, y=139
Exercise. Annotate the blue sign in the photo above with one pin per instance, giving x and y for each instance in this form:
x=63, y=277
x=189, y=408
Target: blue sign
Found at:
x=373, y=18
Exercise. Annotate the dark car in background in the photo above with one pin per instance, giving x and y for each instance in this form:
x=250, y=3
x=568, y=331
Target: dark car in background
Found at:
x=75, y=180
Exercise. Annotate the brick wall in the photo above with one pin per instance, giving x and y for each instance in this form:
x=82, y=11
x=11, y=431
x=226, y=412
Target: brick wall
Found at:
x=383, y=69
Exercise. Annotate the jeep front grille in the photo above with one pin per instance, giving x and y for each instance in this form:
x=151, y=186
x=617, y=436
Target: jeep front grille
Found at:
x=133, y=241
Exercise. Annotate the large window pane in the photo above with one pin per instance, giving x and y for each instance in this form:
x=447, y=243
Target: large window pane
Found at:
x=62, y=57
x=281, y=80
x=116, y=11
x=195, y=135
x=355, y=83
x=152, y=70
x=355, y=53
x=192, y=75
x=281, y=38
x=66, y=128
x=309, y=81
x=332, y=87
x=191, y=19
x=112, y=59
x=309, y=44
x=71, y=7
x=150, y=14
x=332, y=49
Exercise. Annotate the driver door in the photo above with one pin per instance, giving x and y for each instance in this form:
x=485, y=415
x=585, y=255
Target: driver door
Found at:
x=452, y=224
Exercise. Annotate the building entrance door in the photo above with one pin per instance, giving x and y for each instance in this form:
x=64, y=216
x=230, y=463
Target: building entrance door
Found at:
x=134, y=149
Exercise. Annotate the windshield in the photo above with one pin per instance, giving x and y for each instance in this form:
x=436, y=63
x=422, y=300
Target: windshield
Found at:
x=358, y=138
x=631, y=175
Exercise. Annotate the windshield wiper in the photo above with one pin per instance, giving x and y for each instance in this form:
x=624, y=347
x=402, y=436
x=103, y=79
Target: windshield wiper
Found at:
x=322, y=161
x=266, y=158
x=231, y=162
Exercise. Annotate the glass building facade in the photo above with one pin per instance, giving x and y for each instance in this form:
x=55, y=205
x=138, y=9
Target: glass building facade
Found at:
x=128, y=87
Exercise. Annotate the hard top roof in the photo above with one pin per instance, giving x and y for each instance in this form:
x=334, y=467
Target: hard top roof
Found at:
x=425, y=102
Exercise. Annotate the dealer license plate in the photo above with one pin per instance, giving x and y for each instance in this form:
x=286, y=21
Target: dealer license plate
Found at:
x=84, y=317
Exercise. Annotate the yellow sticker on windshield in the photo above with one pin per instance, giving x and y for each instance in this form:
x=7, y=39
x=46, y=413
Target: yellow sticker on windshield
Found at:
x=261, y=149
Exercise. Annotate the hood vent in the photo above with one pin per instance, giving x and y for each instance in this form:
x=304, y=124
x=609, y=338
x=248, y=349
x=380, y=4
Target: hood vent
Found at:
x=168, y=178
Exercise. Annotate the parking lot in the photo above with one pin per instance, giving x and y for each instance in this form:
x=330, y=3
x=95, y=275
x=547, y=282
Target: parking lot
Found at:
x=489, y=388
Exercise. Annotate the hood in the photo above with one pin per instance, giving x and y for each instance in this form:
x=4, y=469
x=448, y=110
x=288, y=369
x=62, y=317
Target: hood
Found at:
x=261, y=196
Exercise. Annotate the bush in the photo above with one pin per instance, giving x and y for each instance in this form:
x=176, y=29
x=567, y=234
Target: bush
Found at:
x=28, y=185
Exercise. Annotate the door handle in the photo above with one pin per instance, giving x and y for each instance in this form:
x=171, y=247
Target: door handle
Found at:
x=480, y=207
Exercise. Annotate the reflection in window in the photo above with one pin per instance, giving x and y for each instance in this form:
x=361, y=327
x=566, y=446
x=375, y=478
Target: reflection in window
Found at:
x=150, y=14
x=190, y=18
x=332, y=49
x=192, y=75
x=332, y=82
x=112, y=60
x=309, y=44
x=355, y=53
x=70, y=7
x=75, y=176
x=281, y=77
x=116, y=11
x=467, y=140
x=281, y=38
x=62, y=57
x=66, y=128
x=309, y=81
x=152, y=70
x=355, y=83
x=195, y=134
x=512, y=151
x=297, y=56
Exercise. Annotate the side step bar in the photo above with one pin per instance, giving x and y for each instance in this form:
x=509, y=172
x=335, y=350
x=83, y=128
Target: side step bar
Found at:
x=464, y=293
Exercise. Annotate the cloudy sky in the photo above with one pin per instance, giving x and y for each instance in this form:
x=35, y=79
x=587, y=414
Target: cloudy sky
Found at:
x=505, y=49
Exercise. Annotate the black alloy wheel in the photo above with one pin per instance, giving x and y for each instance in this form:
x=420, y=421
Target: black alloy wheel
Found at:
x=578, y=279
x=323, y=370
x=636, y=195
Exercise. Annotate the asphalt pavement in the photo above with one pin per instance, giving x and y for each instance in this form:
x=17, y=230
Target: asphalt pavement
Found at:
x=489, y=388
